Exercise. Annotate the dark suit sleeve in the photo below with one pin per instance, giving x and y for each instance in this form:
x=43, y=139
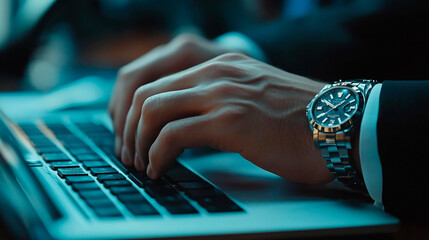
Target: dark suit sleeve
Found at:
x=403, y=142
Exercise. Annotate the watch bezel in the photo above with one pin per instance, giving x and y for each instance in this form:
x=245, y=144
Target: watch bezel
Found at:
x=345, y=125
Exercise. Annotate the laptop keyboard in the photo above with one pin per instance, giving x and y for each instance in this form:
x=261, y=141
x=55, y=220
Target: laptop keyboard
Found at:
x=97, y=182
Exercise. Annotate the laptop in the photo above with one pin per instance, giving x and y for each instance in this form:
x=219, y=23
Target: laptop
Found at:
x=61, y=180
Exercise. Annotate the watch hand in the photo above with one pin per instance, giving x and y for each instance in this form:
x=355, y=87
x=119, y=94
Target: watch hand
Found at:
x=323, y=114
x=339, y=104
x=328, y=103
x=334, y=107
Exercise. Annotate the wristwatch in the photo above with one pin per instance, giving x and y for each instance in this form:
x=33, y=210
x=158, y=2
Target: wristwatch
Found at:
x=333, y=114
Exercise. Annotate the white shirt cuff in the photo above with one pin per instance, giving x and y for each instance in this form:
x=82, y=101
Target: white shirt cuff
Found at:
x=236, y=41
x=368, y=148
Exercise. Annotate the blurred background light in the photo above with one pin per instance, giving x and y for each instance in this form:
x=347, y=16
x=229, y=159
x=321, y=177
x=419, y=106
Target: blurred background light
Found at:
x=5, y=13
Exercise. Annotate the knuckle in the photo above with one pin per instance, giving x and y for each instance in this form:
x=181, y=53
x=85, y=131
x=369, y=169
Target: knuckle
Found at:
x=168, y=135
x=232, y=56
x=224, y=89
x=233, y=114
x=214, y=67
x=139, y=95
x=226, y=69
x=149, y=108
x=126, y=80
x=187, y=41
x=123, y=74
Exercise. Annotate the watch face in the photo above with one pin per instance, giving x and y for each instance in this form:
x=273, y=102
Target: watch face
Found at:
x=335, y=107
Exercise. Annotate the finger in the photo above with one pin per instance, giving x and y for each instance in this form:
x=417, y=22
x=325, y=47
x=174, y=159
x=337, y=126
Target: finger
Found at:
x=175, y=137
x=161, y=61
x=161, y=109
x=165, y=84
x=191, y=77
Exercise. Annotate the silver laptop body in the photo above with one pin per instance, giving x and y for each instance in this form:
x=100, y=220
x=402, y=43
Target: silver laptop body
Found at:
x=229, y=197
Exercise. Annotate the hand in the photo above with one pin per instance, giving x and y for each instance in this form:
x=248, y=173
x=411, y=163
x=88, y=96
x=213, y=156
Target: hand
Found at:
x=232, y=103
x=181, y=53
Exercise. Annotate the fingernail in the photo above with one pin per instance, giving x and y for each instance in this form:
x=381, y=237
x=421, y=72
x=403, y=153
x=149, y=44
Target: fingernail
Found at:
x=149, y=172
x=125, y=156
x=138, y=164
x=140, y=161
x=118, y=146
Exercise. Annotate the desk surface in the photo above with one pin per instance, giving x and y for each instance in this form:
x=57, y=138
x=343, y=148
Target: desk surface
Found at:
x=407, y=231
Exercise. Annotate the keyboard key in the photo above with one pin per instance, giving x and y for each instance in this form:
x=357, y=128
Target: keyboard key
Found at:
x=42, y=142
x=171, y=199
x=81, y=151
x=114, y=176
x=203, y=193
x=77, y=144
x=65, y=164
x=64, y=172
x=141, y=209
x=99, y=203
x=44, y=145
x=78, y=179
x=123, y=190
x=58, y=128
x=184, y=208
x=219, y=204
x=50, y=157
x=142, y=180
x=30, y=129
x=160, y=190
x=107, y=212
x=39, y=138
x=181, y=174
x=131, y=198
x=109, y=151
x=44, y=150
x=104, y=142
x=91, y=164
x=85, y=186
x=101, y=170
x=193, y=185
x=92, y=194
x=116, y=183
x=88, y=157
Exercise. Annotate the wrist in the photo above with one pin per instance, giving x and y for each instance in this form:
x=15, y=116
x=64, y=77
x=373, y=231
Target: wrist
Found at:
x=334, y=115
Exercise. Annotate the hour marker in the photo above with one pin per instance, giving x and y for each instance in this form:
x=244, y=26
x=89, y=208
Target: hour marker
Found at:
x=346, y=115
x=352, y=101
x=324, y=120
x=340, y=94
x=320, y=115
x=332, y=96
x=348, y=95
x=339, y=120
x=319, y=108
x=353, y=107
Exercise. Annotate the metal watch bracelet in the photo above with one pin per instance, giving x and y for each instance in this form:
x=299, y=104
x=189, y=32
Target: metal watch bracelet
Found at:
x=335, y=147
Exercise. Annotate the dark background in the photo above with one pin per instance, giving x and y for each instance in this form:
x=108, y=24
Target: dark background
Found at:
x=321, y=39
